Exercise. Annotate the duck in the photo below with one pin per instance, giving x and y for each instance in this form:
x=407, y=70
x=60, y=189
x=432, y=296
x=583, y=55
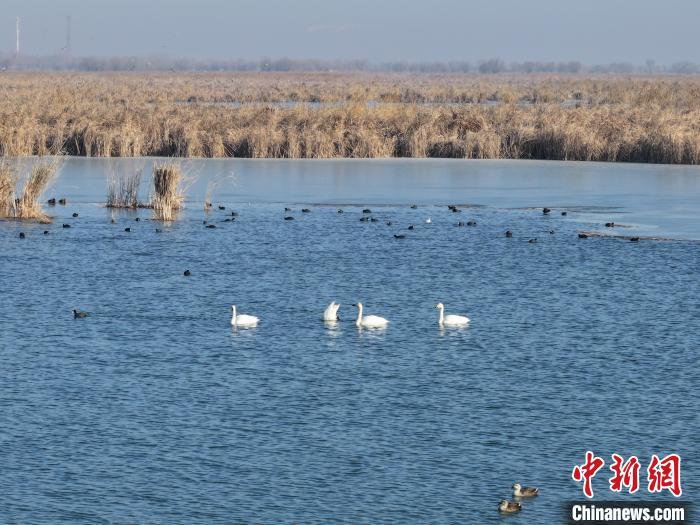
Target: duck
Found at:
x=509, y=234
x=75, y=215
x=414, y=206
x=525, y=492
x=582, y=236
x=127, y=229
x=51, y=202
x=533, y=240
x=509, y=507
x=460, y=224
x=289, y=218
x=411, y=227
x=609, y=224
x=62, y=202
x=305, y=210
x=634, y=239
x=546, y=211
x=187, y=273
x=564, y=214
x=364, y=219
x=399, y=236
x=243, y=320
x=287, y=209
x=369, y=321
x=210, y=226
x=340, y=211
x=77, y=314
x=450, y=320
x=366, y=210
x=222, y=207
x=66, y=225
x=330, y=314
x=471, y=223
x=22, y=235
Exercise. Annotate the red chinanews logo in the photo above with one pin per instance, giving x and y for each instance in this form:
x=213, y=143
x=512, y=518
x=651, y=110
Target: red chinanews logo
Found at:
x=662, y=474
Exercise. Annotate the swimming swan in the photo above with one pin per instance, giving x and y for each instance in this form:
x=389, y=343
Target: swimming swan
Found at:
x=331, y=312
x=243, y=321
x=369, y=321
x=450, y=320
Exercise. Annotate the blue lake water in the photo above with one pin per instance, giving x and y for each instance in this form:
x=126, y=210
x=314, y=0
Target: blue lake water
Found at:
x=154, y=411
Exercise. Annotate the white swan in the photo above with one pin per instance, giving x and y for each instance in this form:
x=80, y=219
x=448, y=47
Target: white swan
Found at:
x=242, y=320
x=451, y=320
x=331, y=312
x=428, y=221
x=369, y=321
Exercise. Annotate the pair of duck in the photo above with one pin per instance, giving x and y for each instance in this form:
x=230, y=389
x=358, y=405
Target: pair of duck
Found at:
x=363, y=321
x=510, y=507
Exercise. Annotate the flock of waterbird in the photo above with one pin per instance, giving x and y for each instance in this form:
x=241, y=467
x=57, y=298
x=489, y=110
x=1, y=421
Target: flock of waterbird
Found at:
x=366, y=217
x=330, y=315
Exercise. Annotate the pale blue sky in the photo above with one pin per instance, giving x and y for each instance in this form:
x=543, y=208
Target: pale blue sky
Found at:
x=592, y=31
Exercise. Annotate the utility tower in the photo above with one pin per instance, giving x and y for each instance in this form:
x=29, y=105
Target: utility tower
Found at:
x=17, y=45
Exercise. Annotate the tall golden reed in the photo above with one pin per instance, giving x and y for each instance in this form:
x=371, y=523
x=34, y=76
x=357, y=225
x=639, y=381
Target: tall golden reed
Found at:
x=168, y=194
x=29, y=203
x=123, y=190
x=8, y=183
x=326, y=115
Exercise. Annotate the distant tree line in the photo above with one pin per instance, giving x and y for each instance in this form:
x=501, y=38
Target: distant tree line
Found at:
x=490, y=66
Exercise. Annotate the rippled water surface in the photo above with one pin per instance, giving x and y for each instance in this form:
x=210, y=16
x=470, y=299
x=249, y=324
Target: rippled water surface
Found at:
x=153, y=410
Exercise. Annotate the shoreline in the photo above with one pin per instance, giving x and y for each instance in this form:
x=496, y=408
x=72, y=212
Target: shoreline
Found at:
x=314, y=160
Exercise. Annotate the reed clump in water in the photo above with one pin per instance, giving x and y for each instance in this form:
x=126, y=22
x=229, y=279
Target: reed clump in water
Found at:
x=27, y=206
x=168, y=194
x=123, y=189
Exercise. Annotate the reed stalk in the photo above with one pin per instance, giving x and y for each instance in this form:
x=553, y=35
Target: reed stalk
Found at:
x=28, y=204
x=168, y=193
x=8, y=183
x=123, y=189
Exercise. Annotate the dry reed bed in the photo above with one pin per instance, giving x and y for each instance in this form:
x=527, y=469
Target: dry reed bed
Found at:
x=651, y=119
